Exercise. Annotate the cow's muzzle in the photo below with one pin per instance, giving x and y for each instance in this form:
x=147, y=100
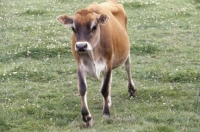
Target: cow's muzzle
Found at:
x=82, y=46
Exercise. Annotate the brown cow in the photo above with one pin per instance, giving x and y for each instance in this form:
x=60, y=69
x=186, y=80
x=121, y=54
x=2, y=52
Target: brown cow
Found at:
x=99, y=44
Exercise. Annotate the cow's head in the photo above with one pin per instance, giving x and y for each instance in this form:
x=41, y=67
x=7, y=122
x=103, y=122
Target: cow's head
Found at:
x=86, y=27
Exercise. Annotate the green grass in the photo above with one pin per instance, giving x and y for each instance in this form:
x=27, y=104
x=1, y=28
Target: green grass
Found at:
x=38, y=90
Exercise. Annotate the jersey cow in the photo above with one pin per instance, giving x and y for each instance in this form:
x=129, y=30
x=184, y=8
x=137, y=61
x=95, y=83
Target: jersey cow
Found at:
x=99, y=44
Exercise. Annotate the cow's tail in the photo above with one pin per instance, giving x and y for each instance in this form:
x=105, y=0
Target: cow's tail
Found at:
x=113, y=1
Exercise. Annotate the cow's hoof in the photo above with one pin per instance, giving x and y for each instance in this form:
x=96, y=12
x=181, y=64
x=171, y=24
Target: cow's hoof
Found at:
x=106, y=116
x=132, y=92
x=89, y=122
x=106, y=112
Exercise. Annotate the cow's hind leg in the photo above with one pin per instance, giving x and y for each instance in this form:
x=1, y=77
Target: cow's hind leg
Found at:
x=87, y=117
x=131, y=86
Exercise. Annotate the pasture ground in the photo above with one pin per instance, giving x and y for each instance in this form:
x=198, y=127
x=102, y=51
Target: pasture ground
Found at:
x=38, y=83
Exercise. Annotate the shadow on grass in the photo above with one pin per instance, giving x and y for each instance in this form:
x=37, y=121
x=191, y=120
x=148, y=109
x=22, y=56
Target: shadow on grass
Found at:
x=23, y=75
x=144, y=49
x=133, y=5
x=40, y=53
x=182, y=76
x=35, y=53
x=4, y=126
x=197, y=1
x=197, y=4
x=34, y=12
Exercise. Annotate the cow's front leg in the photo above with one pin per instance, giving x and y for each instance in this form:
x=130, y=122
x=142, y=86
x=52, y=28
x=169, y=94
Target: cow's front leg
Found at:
x=105, y=91
x=87, y=117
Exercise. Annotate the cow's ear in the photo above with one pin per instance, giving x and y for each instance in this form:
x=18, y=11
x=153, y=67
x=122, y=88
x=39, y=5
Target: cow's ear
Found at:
x=102, y=19
x=65, y=20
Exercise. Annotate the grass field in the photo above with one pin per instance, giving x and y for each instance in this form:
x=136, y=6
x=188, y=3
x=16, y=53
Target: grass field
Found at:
x=38, y=82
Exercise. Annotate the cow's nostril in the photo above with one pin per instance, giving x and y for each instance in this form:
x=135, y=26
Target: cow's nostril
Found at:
x=81, y=46
x=85, y=46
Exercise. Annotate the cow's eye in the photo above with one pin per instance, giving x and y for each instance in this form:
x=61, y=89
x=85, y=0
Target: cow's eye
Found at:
x=74, y=30
x=94, y=28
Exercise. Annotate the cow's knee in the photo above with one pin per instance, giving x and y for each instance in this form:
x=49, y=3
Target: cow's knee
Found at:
x=82, y=91
x=104, y=92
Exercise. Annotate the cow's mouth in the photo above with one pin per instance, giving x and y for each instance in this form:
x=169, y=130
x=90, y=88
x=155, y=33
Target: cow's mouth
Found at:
x=82, y=51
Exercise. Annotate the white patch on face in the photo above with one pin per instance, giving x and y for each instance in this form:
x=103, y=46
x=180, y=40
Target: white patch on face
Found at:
x=92, y=24
x=73, y=25
x=87, y=48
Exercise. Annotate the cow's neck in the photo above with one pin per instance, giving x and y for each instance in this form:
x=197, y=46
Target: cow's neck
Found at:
x=92, y=65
